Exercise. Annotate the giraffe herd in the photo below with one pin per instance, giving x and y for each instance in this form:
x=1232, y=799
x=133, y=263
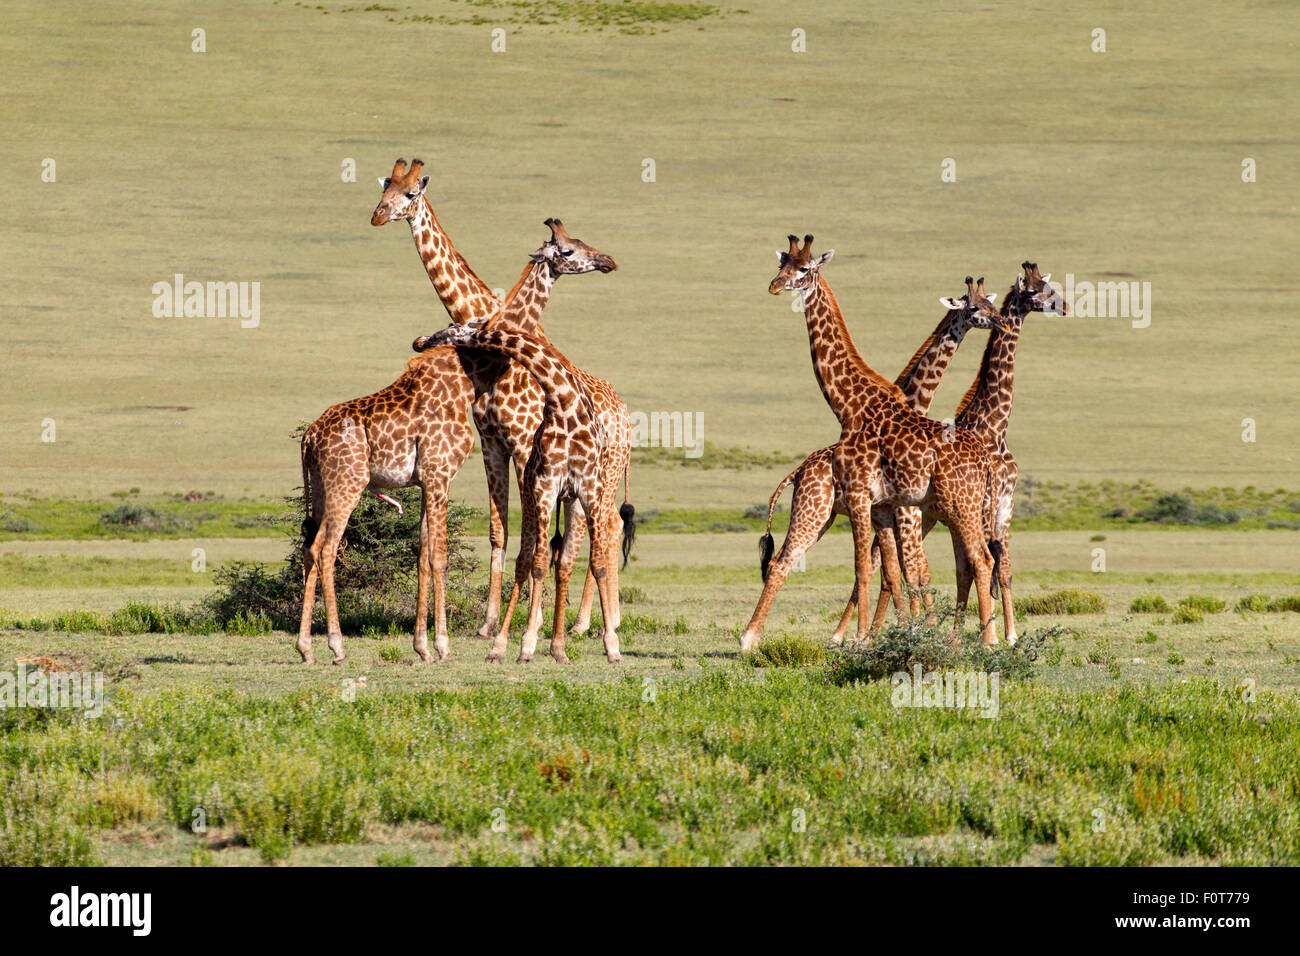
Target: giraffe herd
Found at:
x=566, y=435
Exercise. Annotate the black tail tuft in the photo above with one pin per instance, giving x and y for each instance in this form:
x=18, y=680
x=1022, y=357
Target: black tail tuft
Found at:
x=628, y=514
x=557, y=540
x=309, y=529
x=766, y=547
x=995, y=549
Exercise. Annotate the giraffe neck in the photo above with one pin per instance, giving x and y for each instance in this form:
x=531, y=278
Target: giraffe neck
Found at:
x=987, y=403
x=541, y=359
x=523, y=307
x=920, y=378
x=464, y=295
x=849, y=385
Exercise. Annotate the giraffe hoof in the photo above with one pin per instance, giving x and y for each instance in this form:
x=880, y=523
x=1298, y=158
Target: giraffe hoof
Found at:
x=340, y=659
x=524, y=659
x=493, y=658
x=309, y=658
x=488, y=630
x=614, y=658
x=560, y=657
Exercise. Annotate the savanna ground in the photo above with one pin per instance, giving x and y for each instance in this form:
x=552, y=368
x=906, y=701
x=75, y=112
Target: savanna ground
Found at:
x=1141, y=736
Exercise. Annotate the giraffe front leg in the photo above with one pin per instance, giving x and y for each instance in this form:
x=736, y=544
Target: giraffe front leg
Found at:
x=420, y=642
x=563, y=572
x=965, y=575
x=311, y=552
x=545, y=494
x=884, y=552
x=496, y=462
x=577, y=527
x=435, y=508
x=1004, y=583
x=860, y=519
x=606, y=583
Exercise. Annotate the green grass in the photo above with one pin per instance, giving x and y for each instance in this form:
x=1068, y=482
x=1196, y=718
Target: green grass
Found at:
x=734, y=765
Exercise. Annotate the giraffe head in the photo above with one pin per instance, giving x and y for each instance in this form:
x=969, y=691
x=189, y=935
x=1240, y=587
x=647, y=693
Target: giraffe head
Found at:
x=402, y=193
x=974, y=310
x=798, y=266
x=1032, y=292
x=569, y=256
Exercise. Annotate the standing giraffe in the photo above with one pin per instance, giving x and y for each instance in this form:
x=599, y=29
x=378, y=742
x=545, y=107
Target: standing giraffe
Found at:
x=817, y=499
x=563, y=465
x=508, y=404
x=986, y=410
x=888, y=454
x=414, y=432
x=509, y=413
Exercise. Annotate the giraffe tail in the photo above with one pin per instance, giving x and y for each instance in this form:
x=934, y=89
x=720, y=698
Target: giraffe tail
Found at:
x=309, y=525
x=767, y=544
x=628, y=513
x=557, y=540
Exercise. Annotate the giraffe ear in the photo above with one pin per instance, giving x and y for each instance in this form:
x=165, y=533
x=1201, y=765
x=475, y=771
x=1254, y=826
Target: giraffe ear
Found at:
x=825, y=257
x=780, y=255
x=383, y=182
x=1047, y=277
x=948, y=302
x=424, y=182
x=992, y=297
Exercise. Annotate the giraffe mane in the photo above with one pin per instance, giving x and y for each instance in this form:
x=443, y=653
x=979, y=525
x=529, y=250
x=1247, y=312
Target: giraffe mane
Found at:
x=915, y=360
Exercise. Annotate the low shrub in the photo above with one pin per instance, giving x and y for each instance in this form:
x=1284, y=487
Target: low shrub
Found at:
x=1064, y=601
x=788, y=652
x=1204, y=603
x=1149, y=604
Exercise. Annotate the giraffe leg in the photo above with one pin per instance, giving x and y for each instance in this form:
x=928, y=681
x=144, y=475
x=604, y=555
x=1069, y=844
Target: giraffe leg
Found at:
x=420, y=642
x=860, y=518
x=335, y=524
x=884, y=552
x=544, y=493
x=563, y=572
x=606, y=571
x=965, y=575
x=311, y=570
x=928, y=521
x=1004, y=583
x=496, y=462
x=812, y=511
x=843, y=625
x=528, y=535
x=435, y=508
x=576, y=525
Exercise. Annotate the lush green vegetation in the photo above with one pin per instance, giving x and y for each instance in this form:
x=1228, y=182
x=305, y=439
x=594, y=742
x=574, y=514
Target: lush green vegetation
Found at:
x=777, y=765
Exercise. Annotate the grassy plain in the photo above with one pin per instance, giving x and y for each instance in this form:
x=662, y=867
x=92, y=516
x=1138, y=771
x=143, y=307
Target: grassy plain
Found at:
x=226, y=165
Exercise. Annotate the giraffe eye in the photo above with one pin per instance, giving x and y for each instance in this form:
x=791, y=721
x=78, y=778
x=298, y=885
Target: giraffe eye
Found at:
x=566, y=252
x=410, y=195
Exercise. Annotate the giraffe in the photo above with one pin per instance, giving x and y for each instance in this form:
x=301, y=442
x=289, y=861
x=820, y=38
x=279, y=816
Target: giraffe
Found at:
x=414, y=432
x=507, y=408
x=514, y=423
x=986, y=410
x=510, y=412
x=817, y=499
x=563, y=465
x=888, y=454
